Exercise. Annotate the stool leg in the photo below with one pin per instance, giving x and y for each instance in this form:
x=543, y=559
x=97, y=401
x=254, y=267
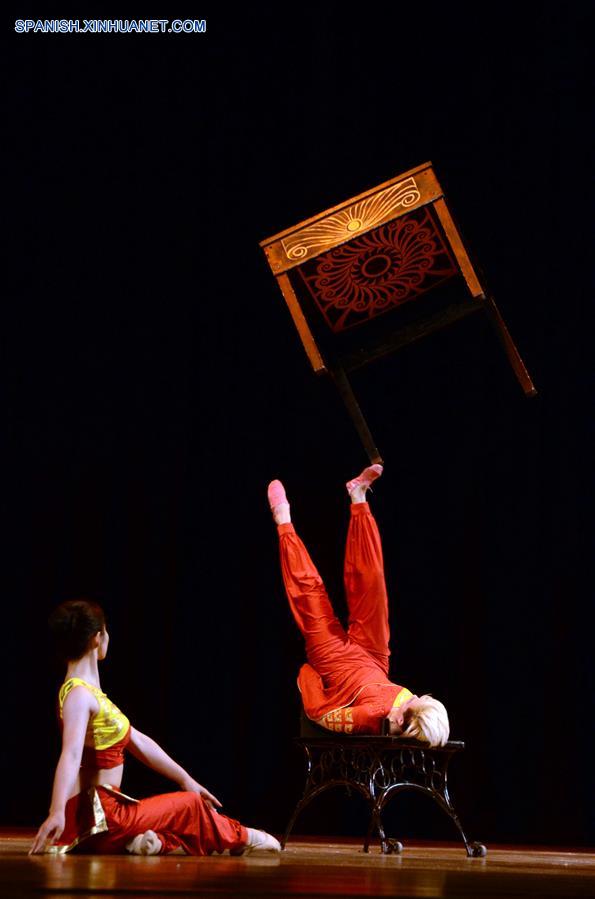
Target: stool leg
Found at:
x=293, y=819
x=370, y=831
x=442, y=797
x=474, y=850
x=387, y=846
x=376, y=823
x=308, y=796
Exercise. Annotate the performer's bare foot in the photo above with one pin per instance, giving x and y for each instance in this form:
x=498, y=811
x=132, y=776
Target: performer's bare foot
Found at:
x=147, y=843
x=258, y=840
x=278, y=503
x=358, y=486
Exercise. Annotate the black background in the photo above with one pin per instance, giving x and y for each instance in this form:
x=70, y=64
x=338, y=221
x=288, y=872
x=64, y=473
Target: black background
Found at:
x=153, y=384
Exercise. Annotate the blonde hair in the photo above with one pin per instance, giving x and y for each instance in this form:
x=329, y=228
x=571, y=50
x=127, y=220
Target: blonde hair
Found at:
x=428, y=721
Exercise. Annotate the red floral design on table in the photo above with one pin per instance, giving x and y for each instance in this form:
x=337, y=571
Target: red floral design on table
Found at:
x=378, y=271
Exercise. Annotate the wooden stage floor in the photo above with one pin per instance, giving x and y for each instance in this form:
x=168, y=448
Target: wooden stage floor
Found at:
x=308, y=868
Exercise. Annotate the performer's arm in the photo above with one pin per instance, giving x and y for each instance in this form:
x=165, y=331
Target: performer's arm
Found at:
x=151, y=754
x=78, y=707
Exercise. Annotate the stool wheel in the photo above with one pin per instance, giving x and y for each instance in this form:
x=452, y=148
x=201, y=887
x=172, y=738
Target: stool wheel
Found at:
x=478, y=850
x=392, y=847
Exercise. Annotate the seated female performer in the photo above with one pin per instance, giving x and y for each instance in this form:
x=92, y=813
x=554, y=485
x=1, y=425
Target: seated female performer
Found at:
x=345, y=685
x=87, y=804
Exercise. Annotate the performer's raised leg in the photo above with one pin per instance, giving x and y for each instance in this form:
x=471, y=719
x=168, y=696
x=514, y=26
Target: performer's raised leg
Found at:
x=363, y=573
x=346, y=686
x=325, y=637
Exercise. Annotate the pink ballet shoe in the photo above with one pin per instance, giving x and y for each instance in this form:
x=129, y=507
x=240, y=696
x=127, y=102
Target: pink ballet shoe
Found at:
x=364, y=479
x=276, y=494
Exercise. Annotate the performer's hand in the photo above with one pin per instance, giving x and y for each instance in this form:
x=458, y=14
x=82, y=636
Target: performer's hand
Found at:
x=192, y=786
x=50, y=831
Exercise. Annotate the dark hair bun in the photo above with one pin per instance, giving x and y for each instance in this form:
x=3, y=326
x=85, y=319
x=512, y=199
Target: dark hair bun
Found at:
x=72, y=625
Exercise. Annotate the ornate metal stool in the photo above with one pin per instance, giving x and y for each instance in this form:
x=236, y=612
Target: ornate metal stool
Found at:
x=378, y=768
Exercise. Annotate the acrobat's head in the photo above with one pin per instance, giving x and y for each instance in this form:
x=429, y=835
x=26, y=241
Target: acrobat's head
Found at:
x=421, y=718
x=78, y=627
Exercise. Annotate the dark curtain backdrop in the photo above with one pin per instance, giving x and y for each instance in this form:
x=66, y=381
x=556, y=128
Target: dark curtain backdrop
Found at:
x=153, y=384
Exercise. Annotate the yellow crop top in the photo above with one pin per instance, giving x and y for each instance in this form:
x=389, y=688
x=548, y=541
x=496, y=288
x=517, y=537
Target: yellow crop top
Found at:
x=109, y=726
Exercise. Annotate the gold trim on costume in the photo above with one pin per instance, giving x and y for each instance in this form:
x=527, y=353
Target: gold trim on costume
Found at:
x=100, y=825
x=352, y=700
x=119, y=793
x=99, y=819
x=341, y=718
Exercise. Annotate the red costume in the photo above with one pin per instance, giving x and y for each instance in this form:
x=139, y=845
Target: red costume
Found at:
x=107, y=820
x=345, y=684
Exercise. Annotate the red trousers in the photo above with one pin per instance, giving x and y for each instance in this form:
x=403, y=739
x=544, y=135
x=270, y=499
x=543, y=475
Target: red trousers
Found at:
x=180, y=819
x=344, y=660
